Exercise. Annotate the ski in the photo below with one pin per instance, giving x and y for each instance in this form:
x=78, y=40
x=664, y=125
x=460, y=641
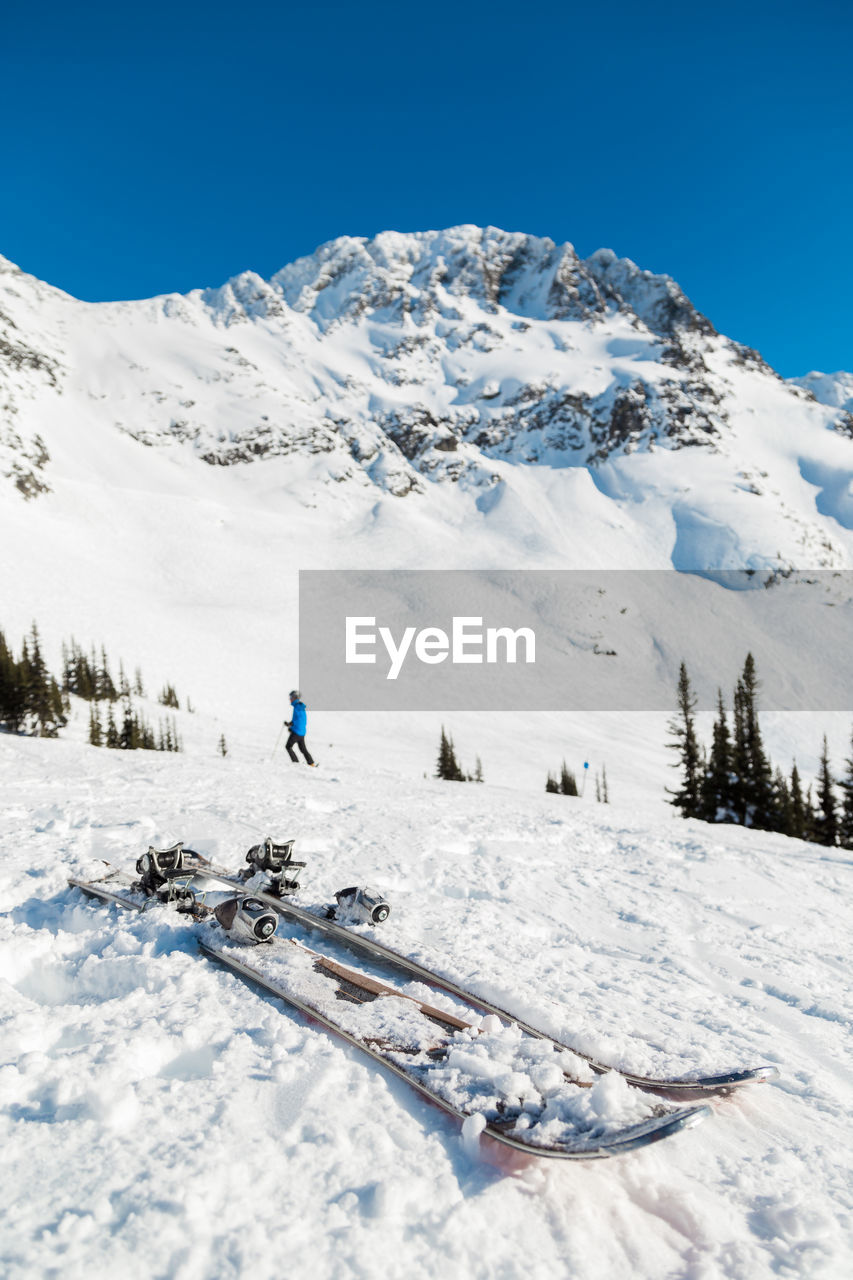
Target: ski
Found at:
x=416, y=1041
x=277, y=861
x=359, y=943
x=419, y=1058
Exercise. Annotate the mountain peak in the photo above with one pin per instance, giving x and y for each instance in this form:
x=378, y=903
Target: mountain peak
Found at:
x=427, y=272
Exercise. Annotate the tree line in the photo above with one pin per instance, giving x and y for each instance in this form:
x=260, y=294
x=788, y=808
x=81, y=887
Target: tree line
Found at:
x=735, y=781
x=35, y=703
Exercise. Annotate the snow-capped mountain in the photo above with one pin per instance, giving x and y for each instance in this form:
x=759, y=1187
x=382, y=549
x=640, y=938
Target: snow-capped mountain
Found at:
x=457, y=399
x=586, y=404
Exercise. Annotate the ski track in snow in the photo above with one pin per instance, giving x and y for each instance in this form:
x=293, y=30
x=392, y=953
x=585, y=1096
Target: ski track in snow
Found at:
x=159, y=1118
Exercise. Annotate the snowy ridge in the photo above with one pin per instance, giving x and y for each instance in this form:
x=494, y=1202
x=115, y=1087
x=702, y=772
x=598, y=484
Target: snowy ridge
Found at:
x=833, y=389
x=496, y=362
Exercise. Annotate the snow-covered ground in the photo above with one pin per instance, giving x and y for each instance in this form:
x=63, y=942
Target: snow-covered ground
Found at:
x=160, y=1118
x=381, y=405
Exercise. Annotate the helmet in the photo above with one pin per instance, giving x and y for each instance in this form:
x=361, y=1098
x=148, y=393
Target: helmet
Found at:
x=294, y=693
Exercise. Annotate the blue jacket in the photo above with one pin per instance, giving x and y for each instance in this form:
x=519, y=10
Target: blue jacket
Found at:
x=298, y=718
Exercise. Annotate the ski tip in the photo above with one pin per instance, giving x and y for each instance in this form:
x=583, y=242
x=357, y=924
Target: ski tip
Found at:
x=734, y=1079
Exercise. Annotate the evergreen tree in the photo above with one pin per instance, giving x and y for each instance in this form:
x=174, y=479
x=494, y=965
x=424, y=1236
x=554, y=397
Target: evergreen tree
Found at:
x=781, y=803
x=739, y=777
x=112, y=734
x=809, y=816
x=717, y=803
x=447, y=766
x=845, y=821
x=138, y=687
x=759, y=776
x=168, y=697
x=12, y=693
x=568, y=782
x=597, y=789
x=128, y=735
x=478, y=770
x=96, y=737
x=43, y=696
x=105, y=688
x=605, y=794
x=797, y=822
x=552, y=785
x=825, y=828
x=145, y=734
x=687, y=797
x=222, y=748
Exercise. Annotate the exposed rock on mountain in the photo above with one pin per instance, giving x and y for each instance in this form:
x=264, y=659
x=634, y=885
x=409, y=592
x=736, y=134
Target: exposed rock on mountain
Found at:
x=449, y=357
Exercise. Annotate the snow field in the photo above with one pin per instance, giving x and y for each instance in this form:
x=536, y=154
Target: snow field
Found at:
x=160, y=1118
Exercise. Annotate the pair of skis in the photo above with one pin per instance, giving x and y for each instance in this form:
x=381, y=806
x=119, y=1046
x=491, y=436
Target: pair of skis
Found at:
x=417, y=1042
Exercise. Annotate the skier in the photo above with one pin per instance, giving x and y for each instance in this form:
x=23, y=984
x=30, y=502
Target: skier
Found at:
x=297, y=725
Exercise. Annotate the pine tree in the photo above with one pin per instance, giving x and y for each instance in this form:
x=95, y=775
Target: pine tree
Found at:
x=12, y=692
x=845, y=821
x=845, y=816
x=760, y=772
x=104, y=681
x=112, y=734
x=825, y=829
x=8, y=686
x=168, y=697
x=809, y=816
x=717, y=776
x=568, y=782
x=447, y=766
x=551, y=785
x=797, y=809
x=96, y=737
x=739, y=777
x=687, y=797
x=44, y=700
x=145, y=734
x=222, y=748
x=128, y=735
x=605, y=794
x=597, y=789
x=478, y=770
x=782, y=808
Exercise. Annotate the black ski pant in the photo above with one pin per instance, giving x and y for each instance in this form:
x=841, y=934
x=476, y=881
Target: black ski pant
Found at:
x=298, y=740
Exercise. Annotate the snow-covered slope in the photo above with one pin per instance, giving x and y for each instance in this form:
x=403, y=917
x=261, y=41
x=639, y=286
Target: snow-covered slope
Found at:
x=465, y=398
x=569, y=400
x=458, y=399
x=833, y=389
x=159, y=1118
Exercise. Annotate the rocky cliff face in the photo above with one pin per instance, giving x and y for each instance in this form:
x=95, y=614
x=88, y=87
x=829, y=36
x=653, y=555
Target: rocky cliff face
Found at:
x=403, y=361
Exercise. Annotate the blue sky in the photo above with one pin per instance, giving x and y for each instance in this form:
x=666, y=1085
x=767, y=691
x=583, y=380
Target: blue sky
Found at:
x=170, y=146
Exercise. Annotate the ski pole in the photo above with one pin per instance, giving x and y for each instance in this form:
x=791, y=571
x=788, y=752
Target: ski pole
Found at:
x=277, y=741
